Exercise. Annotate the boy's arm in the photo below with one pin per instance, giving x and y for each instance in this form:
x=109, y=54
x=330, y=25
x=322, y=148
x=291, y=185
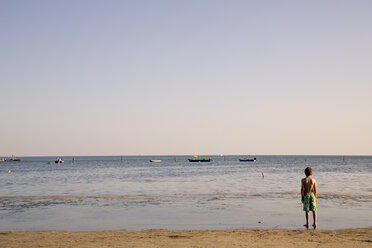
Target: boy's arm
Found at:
x=302, y=190
x=315, y=192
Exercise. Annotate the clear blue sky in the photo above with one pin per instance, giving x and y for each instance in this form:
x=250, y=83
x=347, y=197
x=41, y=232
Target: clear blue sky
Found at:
x=185, y=77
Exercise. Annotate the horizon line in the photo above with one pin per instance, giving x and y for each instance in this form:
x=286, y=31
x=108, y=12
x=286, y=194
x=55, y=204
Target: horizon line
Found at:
x=170, y=155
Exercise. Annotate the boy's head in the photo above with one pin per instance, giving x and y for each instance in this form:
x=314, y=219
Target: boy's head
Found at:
x=308, y=171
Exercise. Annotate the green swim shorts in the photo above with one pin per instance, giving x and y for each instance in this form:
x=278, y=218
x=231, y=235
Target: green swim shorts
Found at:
x=309, y=202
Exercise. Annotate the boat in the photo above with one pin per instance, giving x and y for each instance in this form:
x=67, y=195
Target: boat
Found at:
x=155, y=160
x=15, y=159
x=200, y=160
x=247, y=159
x=2, y=159
x=59, y=161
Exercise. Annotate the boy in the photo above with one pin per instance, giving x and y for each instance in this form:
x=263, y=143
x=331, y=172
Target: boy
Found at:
x=309, y=195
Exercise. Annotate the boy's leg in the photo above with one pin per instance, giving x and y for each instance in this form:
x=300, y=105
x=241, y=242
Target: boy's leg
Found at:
x=314, y=217
x=307, y=219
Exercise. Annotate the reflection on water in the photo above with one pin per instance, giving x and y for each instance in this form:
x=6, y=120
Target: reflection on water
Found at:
x=100, y=193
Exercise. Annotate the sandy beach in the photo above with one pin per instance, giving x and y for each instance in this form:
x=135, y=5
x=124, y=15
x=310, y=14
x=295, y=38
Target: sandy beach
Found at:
x=163, y=238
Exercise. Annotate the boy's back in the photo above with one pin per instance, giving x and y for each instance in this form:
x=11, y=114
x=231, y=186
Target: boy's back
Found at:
x=309, y=185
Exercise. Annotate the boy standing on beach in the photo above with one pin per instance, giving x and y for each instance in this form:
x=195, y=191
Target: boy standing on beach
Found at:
x=309, y=195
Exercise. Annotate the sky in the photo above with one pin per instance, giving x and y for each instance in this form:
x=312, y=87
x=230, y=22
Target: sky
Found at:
x=92, y=77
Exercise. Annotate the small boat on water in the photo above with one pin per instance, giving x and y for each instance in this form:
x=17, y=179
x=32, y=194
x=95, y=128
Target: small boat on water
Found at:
x=2, y=159
x=200, y=160
x=247, y=159
x=15, y=159
x=155, y=160
x=59, y=161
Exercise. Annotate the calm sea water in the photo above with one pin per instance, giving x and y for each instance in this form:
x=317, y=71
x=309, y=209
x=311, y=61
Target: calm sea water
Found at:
x=107, y=193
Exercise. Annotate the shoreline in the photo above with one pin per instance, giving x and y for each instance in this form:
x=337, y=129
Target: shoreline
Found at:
x=283, y=238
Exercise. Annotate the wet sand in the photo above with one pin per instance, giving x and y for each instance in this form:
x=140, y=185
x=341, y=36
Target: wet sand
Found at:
x=163, y=238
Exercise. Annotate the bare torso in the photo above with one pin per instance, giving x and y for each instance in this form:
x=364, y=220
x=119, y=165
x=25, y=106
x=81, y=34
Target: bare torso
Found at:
x=308, y=185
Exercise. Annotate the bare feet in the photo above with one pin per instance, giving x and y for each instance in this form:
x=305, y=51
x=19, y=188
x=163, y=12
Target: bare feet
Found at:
x=314, y=225
x=307, y=226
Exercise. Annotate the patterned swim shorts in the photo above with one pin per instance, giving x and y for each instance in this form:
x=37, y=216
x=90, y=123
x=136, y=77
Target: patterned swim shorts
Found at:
x=309, y=202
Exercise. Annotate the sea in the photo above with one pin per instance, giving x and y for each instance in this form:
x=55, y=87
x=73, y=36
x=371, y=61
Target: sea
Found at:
x=130, y=192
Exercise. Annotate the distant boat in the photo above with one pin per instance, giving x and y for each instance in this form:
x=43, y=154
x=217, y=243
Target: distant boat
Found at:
x=155, y=160
x=2, y=160
x=247, y=159
x=200, y=160
x=59, y=161
x=15, y=159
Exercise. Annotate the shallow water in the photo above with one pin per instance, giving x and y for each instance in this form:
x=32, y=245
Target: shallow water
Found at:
x=107, y=193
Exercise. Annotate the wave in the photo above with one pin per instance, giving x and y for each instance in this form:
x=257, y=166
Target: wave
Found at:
x=333, y=194
x=64, y=197
x=213, y=196
x=346, y=195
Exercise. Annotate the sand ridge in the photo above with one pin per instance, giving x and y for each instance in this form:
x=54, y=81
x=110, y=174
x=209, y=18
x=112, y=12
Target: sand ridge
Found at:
x=207, y=238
